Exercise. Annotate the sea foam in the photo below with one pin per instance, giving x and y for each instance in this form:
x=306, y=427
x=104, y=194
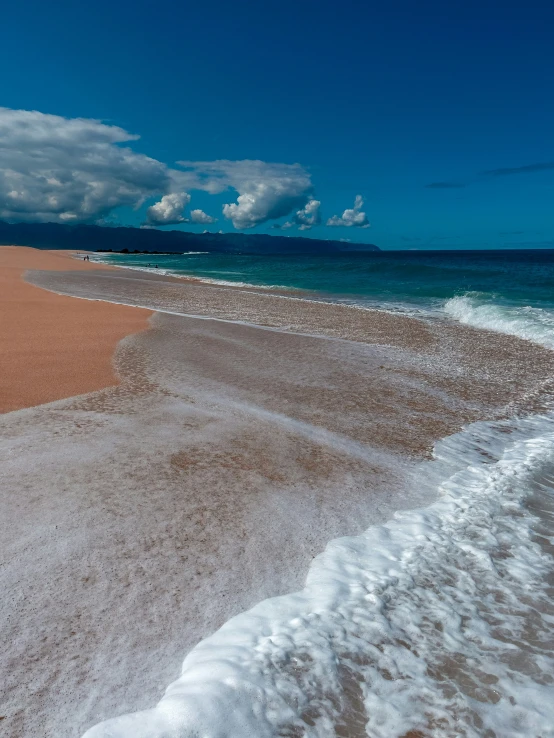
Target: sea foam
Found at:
x=436, y=623
x=532, y=323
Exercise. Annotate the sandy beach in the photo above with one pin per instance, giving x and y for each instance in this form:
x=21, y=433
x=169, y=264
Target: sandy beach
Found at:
x=52, y=346
x=181, y=474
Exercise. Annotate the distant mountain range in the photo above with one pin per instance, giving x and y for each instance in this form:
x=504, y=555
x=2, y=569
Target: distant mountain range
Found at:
x=92, y=238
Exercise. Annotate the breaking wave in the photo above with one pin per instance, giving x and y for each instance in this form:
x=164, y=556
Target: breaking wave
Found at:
x=532, y=323
x=438, y=623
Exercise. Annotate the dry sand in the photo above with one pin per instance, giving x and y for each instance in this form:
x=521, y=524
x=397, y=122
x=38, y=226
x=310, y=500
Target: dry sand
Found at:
x=54, y=346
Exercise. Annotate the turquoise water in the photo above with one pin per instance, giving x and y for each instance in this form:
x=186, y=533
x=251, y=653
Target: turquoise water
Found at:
x=506, y=291
x=422, y=279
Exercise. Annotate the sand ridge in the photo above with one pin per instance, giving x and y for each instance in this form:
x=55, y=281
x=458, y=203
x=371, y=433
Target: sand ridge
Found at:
x=55, y=346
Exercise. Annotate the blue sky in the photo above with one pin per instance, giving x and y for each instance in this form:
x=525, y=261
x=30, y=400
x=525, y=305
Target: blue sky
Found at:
x=378, y=100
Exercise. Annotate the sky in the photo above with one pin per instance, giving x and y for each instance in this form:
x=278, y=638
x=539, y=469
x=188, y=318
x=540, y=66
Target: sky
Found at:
x=404, y=124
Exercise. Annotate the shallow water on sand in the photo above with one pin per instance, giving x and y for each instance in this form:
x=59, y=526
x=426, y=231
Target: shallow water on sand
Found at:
x=138, y=519
x=437, y=623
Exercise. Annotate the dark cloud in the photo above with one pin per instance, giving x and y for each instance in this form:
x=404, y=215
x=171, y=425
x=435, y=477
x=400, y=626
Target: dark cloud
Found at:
x=535, y=244
x=500, y=172
x=529, y=168
x=445, y=185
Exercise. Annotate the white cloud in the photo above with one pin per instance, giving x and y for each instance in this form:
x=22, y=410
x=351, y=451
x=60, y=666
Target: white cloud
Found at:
x=79, y=170
x=70, y=170
x=309, y=215
x=266, y=190
x=169, y=210
x=199, y=216
x=351, y=217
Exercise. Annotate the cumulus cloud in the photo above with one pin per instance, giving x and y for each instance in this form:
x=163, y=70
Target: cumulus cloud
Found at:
x=79, y=170
x=352, y=216
x=266, y=191
x=71, y=170
x=169, y=210
x=199, y=216
x=309, y=215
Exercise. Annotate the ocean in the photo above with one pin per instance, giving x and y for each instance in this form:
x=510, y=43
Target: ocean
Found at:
x=510, y=291
x=438, y=623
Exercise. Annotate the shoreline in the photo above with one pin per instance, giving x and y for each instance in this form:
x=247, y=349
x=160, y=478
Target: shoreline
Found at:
x=467, y=352
x=208, y=480
x=54, y=346
x=282, y=291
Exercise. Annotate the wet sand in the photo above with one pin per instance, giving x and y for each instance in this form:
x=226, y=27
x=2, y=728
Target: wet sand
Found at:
x=54, y=346
x=140, y=517
x=491, y=374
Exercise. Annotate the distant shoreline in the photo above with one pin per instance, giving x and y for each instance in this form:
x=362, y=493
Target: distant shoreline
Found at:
x=92, y=237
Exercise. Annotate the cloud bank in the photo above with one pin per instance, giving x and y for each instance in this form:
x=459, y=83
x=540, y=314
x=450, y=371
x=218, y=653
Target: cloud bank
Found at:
x=79, y=170
x=353, y=217
x=70, y=170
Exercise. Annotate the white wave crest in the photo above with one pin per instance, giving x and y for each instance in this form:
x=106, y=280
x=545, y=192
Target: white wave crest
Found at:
x=533, y=324
x=416, y=625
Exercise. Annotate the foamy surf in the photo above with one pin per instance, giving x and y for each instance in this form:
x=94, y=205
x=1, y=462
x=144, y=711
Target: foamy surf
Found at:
x=532, y=323
x=437, y=623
